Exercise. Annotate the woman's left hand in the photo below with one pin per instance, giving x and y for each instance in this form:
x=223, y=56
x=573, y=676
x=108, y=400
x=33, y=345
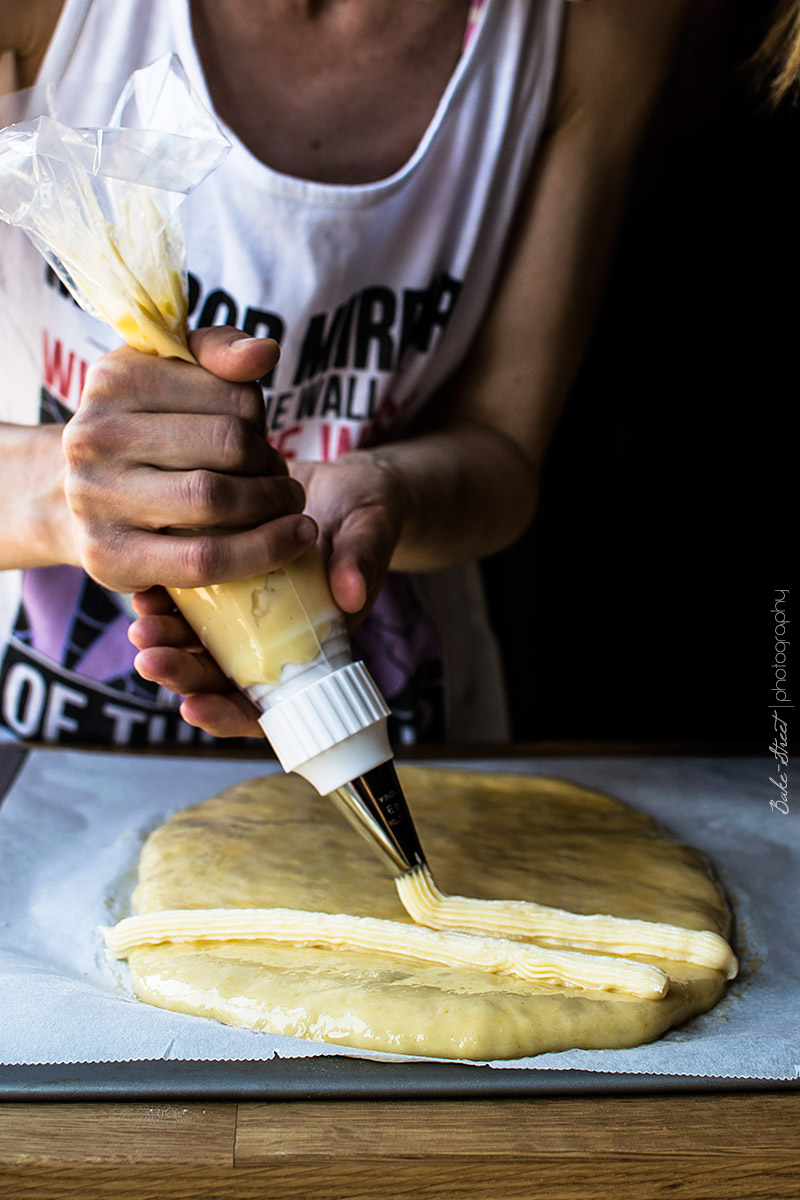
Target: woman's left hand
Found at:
x=360, y=503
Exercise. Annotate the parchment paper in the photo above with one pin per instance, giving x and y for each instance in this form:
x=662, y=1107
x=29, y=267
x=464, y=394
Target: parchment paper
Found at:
x=70, y=831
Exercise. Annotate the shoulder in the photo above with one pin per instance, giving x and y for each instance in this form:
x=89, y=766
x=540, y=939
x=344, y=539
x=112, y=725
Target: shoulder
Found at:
x=25, y=33
x=616, y=56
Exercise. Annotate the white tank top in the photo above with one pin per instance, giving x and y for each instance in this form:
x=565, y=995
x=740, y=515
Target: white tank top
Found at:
x=374, y=291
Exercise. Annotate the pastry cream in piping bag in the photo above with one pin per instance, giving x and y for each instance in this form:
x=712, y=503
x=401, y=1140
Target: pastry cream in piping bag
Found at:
x=102, y=205
x=293, y=605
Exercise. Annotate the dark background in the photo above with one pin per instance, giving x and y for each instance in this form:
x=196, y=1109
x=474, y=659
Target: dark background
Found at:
x=638, y=605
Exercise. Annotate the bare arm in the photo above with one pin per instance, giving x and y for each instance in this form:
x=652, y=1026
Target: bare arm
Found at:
x=25, y=33
x=466, y=486
x=36, y=525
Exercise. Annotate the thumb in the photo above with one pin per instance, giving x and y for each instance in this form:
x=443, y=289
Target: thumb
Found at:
x=231, y=354
x=347, y=578
x=359, y=559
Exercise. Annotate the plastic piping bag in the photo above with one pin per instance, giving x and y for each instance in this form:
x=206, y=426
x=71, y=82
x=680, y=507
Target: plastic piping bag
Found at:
x=102, y=204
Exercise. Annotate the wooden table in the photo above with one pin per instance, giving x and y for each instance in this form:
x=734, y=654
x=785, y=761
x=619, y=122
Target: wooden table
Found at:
x=726, y=1144
x=738, y=1144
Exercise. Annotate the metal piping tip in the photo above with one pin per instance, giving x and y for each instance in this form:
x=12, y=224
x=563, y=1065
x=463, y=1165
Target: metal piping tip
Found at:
x=375, y=806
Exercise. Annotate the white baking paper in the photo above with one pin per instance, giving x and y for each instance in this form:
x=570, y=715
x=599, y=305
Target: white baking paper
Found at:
x=70, y=831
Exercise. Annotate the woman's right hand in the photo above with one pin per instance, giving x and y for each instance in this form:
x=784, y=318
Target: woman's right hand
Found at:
x=160, y=445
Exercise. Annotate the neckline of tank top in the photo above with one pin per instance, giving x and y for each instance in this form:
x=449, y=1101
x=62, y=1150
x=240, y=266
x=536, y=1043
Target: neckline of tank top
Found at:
x=251, y=169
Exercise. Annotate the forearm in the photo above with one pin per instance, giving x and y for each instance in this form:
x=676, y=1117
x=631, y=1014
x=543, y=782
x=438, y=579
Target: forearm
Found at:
x=471, y=477
x=472, y=486
x=35, y=528
x=466, y=491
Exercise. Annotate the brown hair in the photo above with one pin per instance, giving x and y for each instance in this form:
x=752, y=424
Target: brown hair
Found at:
x=778, y=58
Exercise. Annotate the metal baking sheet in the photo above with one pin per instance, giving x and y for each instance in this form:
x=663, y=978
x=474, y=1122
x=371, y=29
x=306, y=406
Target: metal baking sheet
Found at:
x=335, y=1078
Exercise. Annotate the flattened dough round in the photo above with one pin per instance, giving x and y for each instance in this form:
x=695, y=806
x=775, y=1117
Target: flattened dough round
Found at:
x=273, y=842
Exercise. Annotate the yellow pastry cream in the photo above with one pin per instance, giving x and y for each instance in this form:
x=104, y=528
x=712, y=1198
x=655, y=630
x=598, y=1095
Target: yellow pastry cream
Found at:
x=256, y=626
x=128, y=272
x=313, y=941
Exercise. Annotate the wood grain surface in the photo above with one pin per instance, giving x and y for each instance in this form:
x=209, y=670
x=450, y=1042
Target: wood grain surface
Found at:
x=741, y=1146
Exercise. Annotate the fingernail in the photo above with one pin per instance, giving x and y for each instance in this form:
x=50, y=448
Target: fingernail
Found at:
x=306, y=531
x=241, y=343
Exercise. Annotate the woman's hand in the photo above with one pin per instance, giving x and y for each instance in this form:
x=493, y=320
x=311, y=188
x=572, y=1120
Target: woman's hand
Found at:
x=160, y=445
x=359, y=505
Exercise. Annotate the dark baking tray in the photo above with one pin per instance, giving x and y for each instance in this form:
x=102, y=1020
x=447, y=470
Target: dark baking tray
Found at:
x=333, y=1078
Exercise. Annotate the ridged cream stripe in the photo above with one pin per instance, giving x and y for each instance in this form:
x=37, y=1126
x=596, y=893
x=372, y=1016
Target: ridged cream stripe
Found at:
x=428, y=906
x=335, y=931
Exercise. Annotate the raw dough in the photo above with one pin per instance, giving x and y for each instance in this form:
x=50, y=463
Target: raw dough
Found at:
x=274, y=843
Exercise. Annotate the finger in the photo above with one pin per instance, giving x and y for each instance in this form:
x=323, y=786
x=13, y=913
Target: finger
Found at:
x=230, y=354
x=361, y=551
x=126, y=380
x=132, y=560
x=348, y=584
x=230, y=715
x=213, y=707
x=183, y=441
x=171, y=630
x=154, y=602
x=181, y=671
x=196, y=500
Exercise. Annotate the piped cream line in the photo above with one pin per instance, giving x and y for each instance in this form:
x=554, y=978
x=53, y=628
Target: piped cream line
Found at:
x=428, y=906
x=295, y=927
